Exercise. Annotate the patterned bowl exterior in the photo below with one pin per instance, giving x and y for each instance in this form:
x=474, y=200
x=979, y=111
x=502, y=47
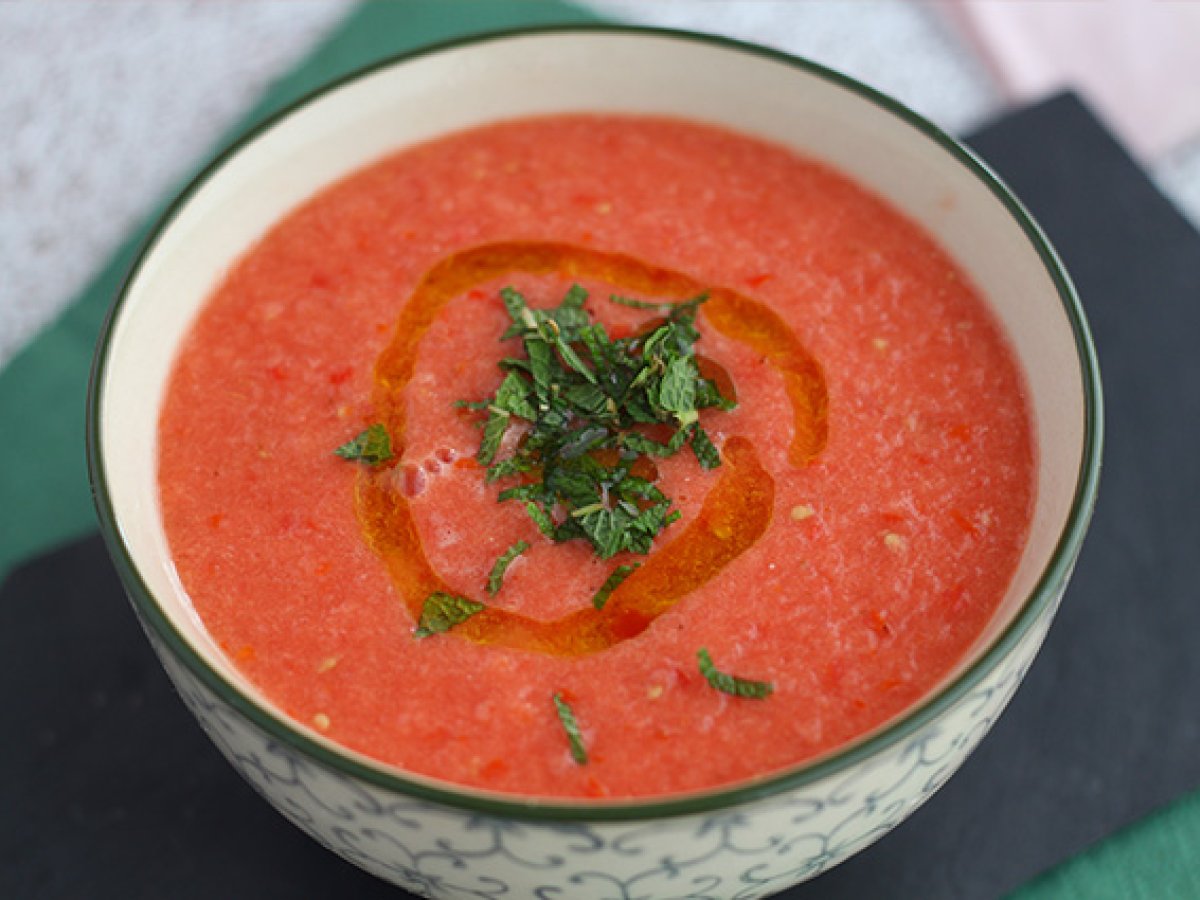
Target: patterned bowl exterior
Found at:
x=749, y=850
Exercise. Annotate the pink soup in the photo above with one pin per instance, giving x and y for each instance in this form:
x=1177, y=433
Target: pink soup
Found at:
x=880, y=553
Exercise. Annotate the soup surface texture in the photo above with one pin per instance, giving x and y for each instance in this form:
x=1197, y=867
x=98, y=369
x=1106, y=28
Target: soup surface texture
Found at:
x=882, y=555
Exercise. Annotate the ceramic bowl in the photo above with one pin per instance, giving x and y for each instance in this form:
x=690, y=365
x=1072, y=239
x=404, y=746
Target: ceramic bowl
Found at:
x=746, y=840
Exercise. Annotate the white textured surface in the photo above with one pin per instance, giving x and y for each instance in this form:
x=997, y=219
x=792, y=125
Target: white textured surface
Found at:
x=104, y=107
x=903, y=48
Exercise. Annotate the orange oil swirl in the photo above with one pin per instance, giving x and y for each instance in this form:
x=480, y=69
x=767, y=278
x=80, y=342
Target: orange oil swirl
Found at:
x=734, y=515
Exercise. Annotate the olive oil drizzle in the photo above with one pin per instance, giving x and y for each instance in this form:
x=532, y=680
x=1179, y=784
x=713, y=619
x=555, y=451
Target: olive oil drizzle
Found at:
x=732, y=518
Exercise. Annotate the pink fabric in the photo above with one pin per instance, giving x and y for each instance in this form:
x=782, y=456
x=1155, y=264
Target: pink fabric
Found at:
x=1137, y=62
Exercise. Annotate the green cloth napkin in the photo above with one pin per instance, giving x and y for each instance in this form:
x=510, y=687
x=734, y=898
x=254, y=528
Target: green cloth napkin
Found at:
x=1157, y=858
x=44, y=496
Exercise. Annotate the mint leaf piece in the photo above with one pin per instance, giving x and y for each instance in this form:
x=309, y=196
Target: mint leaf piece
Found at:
x=372, y=446
x=677, y=393
x=541, y=518
x=611, y=583
x=443, y=611
x=496, y=578
x=731, y=684
x=493, y=434
x=570, y=725
x=707, y=454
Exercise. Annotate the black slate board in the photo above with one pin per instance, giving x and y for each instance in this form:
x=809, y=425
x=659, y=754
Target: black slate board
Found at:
x=108, y=789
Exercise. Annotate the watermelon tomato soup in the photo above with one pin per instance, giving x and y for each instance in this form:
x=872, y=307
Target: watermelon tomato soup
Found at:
x=595, y=456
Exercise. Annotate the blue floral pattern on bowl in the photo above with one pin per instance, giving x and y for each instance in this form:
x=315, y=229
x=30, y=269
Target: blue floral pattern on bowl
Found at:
x=745, y=851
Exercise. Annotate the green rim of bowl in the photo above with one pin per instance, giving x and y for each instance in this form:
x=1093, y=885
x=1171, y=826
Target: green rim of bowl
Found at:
x=549, y=809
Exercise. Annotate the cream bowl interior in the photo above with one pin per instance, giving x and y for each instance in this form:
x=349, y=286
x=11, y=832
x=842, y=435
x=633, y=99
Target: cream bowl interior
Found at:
x=414, y=99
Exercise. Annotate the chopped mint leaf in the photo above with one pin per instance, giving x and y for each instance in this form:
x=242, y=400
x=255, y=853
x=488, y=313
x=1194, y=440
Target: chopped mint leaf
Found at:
x=574, y=485
x=604, y=527
x=634, y=303
x=518, y=310
x=496, y=578
x=731, y=684
x=591, y=401
x=583, y=395
x=443, y=611
x=708, y=395
x=631, y=487
x=513, y=465
x=702, y=446
x=513, y=397
x=567, y=717
x=372, y=446
x=611, y=583
x=639, y=443
x=521, y=492
x=575, y=297
x=591, y=437
x=677, y=391
x=676, y=307
x=552, y=333
x=493, y=434
x=541, y=365
x=541, y=518
x=599, y=347
x=476, y=405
